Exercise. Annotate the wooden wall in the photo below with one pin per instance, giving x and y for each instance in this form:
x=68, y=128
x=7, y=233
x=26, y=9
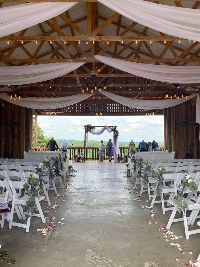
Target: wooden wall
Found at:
x=15, y=130
x=181, y=130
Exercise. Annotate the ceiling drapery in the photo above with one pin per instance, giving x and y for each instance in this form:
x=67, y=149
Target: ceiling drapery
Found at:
x=146, y=104
x=18, y=75
x=163, y=73
x=19, y=17
x=46, y=103
x=176, y=21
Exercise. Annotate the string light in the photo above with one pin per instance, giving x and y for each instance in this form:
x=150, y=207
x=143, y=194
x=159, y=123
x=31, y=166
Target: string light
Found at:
x=22, y=42
x=108, y=42
x=8, y=42
x=36, y=42
x=79, y=41
x=122, y=41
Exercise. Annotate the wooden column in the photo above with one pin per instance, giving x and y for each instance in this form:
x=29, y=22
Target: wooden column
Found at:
x=12, y=130
x=181, y=130
x=35, y=130
x=28, y=129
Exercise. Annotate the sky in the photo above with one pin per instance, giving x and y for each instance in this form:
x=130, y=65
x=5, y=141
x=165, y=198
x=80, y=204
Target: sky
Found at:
x=133, y=128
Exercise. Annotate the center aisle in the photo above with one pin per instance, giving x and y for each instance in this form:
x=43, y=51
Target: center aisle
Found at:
x=101, y=226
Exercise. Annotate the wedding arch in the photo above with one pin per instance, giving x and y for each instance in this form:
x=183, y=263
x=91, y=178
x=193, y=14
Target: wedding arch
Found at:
x=98, y=130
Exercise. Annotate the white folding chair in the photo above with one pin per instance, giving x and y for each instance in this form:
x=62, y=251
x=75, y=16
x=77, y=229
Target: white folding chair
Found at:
x=19, y=201
x=194, y=208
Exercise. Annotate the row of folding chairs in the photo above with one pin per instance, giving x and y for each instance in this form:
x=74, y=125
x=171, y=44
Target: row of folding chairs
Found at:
x=167, y=195
x=12, y=180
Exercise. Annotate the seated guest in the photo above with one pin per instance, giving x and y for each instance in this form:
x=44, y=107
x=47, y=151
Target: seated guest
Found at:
x=155, y=146
x=143, y=146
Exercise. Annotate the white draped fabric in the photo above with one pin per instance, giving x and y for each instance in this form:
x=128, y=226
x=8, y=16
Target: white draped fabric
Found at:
x=18, y=17
x=146, y=104
x=101, y=130
x=46, y=103
x=176, y=21
x=163, y=73
x=18, y=75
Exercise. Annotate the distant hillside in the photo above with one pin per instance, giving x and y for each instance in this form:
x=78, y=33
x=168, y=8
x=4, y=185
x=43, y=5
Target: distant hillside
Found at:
x=94, y=143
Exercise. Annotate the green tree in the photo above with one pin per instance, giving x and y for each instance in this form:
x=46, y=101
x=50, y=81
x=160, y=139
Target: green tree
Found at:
x=42, y=140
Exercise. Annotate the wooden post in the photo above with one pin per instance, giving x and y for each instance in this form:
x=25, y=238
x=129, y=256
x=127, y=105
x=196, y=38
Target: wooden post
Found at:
x=35, y=130
x=84, y=154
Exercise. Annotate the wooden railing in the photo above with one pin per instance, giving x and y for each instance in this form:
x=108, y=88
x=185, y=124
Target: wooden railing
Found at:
x=91, y=153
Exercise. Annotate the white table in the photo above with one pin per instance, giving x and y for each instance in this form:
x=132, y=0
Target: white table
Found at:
x=41, y=155
x=156, y=156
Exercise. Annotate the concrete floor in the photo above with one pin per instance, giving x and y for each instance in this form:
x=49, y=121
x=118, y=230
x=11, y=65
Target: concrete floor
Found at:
x=103, y=227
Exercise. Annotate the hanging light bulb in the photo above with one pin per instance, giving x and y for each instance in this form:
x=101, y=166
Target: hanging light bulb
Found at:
x=122, y=41
x=79, y=41
x=99, y=89
x=104, y=87
x=22, y=42
x=19, y=97
x=87, y=89
x=166, y=96
x=92, y=91
x=8, y=42
x=36, y=42
x=11, y=97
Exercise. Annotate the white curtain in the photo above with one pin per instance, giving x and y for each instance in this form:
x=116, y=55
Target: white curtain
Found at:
x=176, y=21
x=46, y=103
x=18, y=75
x=163, y=73
x=146, y=104
x=19, y=17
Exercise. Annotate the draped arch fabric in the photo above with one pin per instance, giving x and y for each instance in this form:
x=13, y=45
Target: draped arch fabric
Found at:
x=163, y=73
x=46, y=103
x=176, y=21
x=18, y=75
x=19, y=17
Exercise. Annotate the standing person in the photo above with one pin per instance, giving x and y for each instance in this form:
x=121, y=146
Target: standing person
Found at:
x=63, y=147
x=52, y=145
x=109, y=150
x=155, y=146
x=101, y=151
x=149, y=146
x=143, y=146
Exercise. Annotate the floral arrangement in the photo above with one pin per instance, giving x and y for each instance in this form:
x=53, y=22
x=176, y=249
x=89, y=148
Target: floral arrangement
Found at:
x=32, y=189
x=159, y=176
x=132, y=144
x=187, y=184
x=4, y=257
x=89, y=127
x=146, y=172
x=115, y=134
